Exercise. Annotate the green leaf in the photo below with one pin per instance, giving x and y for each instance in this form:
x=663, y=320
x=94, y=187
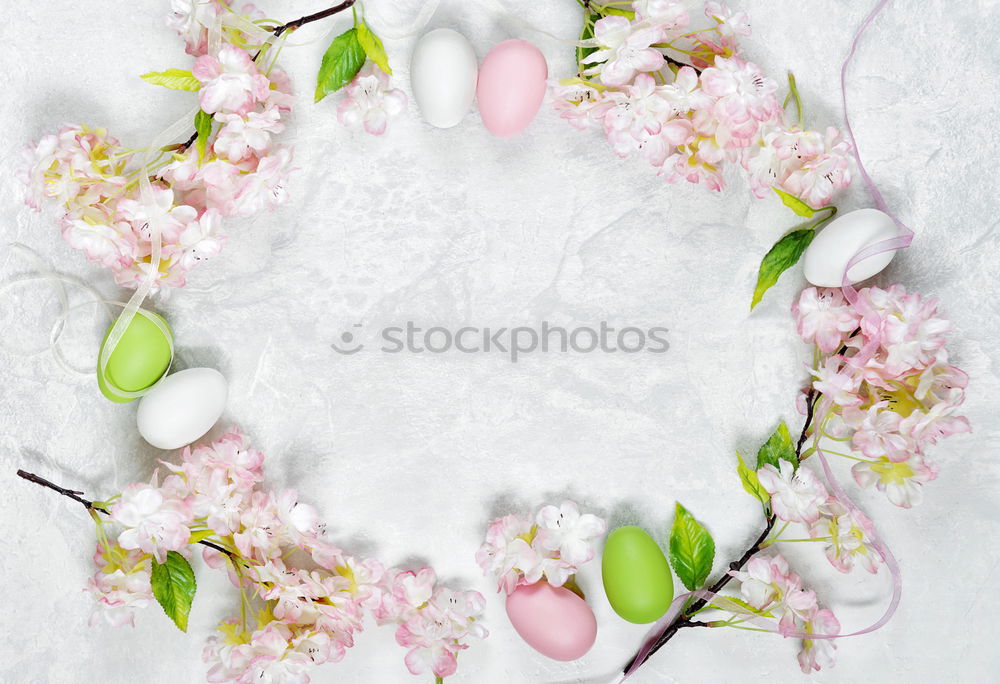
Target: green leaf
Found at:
x=586, y=33
x=751, y=484
x=795, y=204
x=341, y=63
x=777, y=447
x=785, y=253
x=175, y=79
x=203, y=125
x=372, y=45
x=174, y=587
x=608, y=11
x=200, y=535
x=692, y=549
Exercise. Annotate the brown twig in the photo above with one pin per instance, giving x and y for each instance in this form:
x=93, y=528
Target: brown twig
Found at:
x=91, y=506
x=684, y=619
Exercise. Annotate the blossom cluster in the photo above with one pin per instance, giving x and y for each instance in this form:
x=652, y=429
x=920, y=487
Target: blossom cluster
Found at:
x=238, y=172
x=313, y=595
x=887, y=389
x=522, y=549
x=798, y=496
x=688, y=121
x=769, y=586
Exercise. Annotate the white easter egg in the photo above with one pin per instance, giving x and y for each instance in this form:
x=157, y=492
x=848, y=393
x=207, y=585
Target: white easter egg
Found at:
x=182, y=407
x=834, y=246
x=443, y=74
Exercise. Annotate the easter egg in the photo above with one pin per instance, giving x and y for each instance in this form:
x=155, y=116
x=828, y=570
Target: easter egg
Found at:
x=141, y=357
x=182, y=408
x=826, y=258
x=636, y=575
x=552, y=620
x=443, y=71
x=512, y=82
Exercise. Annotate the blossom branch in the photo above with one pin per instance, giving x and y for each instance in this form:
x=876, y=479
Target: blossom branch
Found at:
x=309, y=18
x=95, y=506
x=684, y=619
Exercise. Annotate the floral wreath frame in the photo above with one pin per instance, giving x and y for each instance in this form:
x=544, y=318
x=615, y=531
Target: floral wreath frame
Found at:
x=882, y=382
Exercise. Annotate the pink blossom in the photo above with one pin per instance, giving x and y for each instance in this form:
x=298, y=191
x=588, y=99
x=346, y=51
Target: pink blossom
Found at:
x=796, y=494
x=153, y=523
x=877, y=432
x=818, y=176
x=818, y=653
x=848, y=536
x=836, y=381
x=246, y=135
x=230, y=82
x=121, y=586
x=668, y=15
x=730, y=23
x=575, y=100
x=370, y=102
x=623, y=50
x=902, y=482
x=824, y=317
x=506, y=554
x=744, y=95
x=572, y=534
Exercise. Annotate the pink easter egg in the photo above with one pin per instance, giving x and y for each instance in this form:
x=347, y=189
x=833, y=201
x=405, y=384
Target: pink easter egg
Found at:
x=552, y=620
x=511, y=87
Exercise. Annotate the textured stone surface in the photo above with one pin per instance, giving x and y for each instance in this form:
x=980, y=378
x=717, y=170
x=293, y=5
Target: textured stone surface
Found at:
x=408, y=455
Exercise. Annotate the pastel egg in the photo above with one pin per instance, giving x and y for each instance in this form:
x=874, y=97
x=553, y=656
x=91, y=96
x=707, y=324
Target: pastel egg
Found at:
x=140, y=358
x=552, y=620
x=512, y=83
x=834, y=246
x=182, y=408
x=443, y=71
x=636, y=575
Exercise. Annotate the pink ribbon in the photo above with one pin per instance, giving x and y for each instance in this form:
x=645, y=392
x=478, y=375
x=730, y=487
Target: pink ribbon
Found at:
x=901, y=241
x=905, y=236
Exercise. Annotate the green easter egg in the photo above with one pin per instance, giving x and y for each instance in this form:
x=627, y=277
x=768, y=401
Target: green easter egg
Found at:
x=636, y=575
x=140, y=359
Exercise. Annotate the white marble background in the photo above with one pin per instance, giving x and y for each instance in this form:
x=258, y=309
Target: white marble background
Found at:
x=408, y=456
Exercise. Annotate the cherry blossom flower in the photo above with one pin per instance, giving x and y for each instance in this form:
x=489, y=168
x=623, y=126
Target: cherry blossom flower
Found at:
x=877, y=432
x=824, y=317
x=623, y=50
x=668, y=15
x=153, y=524
x=120, y=587
x=836, y=381
x=517, y=552
x=744, y=94
x=730, y=23
x=902, y=482
x=818, y=653
x=245, y=136
x=575, y=100
x=230, y=82
x=849, y=534
x=370, y=102
x=819, y=175
x=796, y=494
x=565, y=530
x=507, y=554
